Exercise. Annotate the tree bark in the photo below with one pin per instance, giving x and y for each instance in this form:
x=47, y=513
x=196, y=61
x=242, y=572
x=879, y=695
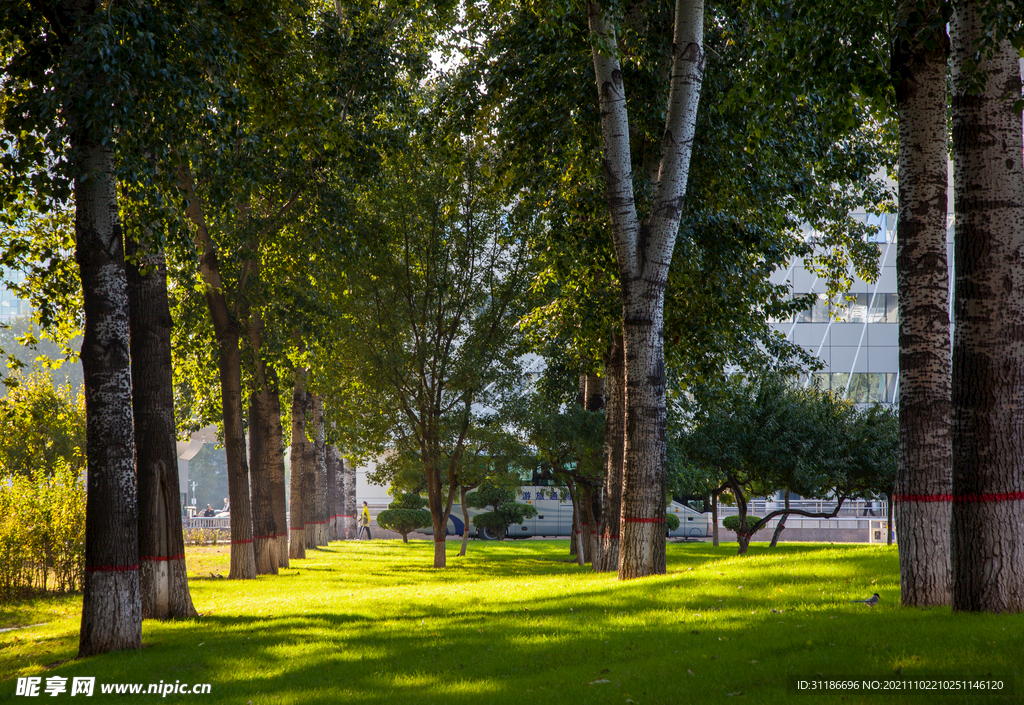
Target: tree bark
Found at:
x=334, y=477
x=274, y=440
x=781, y=526
x=111, y=607
x=309, y=472
x=296, y=514
x=163, y=582
x=264, y=529
x=350, y=499
x=229, y=364
x=988, y=355
x=320, y=478
x=643, y=254
x=615, y=410
x=924, y=471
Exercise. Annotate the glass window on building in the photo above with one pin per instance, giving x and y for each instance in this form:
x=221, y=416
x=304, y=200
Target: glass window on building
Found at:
x=884, y=309
x=870, y=387
x=818, y=313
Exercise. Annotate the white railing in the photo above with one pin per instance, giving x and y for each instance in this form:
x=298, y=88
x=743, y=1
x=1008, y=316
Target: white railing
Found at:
x=206, y=522
x=850, y=508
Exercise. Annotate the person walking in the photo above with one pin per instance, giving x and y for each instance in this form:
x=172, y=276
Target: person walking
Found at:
x=364, y=522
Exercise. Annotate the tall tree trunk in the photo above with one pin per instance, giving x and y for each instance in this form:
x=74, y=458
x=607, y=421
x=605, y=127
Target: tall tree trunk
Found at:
x=297, y=509
x=350, y=499
x=594, y=401
x=924, y=476
x=264, y=529
x=111, y=608
x=333, y=494
x=643, y=254
x=266, y=453
x=163, y=583
x=274, y=440
x=320, y=478
x=614, y=415
x=309, y=471
x=229, y=364
x=988, y=355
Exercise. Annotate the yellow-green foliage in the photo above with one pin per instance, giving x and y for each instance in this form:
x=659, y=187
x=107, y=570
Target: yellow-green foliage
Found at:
x=40, y=426
x=42, y=531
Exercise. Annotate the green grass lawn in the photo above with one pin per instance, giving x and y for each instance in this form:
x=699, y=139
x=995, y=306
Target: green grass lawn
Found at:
x=514, y=622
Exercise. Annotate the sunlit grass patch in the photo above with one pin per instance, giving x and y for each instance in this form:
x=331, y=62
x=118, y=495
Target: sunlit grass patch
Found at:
x=517, y=622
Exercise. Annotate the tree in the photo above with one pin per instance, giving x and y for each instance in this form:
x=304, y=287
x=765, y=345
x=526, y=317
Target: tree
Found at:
x=643, y=253
x=163, y=583
x=570, y=444
x=69, y=54
x=405, y=514
x=299, y=504
x=988, y=360
x=763, y=435
x=505, y=510
x=919, y=58
x=430, y=329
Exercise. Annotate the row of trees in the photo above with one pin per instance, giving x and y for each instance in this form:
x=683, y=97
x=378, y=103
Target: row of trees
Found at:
x=289, y=200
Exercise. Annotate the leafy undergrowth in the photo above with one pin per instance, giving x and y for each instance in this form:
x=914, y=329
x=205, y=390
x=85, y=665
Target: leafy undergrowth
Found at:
x=515, y=622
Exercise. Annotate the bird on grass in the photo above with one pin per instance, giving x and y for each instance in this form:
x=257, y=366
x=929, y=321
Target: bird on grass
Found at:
x=870, y=602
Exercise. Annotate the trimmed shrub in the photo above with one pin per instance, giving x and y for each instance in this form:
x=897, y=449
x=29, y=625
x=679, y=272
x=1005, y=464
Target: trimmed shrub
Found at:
x=672, y=520
x=732, y=522
x=495, y=521
x=404, y=515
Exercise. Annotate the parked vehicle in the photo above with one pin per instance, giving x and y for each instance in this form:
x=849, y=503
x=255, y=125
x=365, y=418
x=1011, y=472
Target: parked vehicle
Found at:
x=554, y=517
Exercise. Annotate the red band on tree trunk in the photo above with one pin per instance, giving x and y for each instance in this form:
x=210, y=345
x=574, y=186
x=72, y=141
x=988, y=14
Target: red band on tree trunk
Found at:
x=989, y=497
x=110, y=568
x=962, y=499
x=161, y=558
x=437, y=540
x=923, y=497
x=298, y=528
x=641, y=520
x=269, y=536
x=348, y=516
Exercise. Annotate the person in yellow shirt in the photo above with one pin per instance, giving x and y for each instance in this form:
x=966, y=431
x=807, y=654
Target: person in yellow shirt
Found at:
x=364, y=522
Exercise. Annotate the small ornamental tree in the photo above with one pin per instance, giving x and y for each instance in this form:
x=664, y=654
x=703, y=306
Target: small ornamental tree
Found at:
x=405, y=514
x=744, y=526
x=672, y=521
x=505, y=509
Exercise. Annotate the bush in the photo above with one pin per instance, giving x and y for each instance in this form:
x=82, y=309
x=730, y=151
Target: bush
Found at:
x=42, y=531
x=408, y=500
x=672, y=520
x=495, y=521
x=733, y=522
x=403, y=520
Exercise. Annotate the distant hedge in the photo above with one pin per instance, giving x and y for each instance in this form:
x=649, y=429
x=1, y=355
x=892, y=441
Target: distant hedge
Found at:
x=672, y=520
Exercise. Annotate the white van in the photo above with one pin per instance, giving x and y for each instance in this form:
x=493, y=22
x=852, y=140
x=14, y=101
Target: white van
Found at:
x=554, y=517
